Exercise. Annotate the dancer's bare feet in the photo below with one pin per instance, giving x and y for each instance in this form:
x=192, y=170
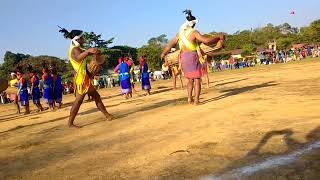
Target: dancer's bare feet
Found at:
x=109, y=117
x=196, y=102
x=74, y=126
x=190, y=100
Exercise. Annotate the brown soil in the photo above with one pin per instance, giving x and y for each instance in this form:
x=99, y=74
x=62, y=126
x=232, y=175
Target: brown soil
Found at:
x=247, y=116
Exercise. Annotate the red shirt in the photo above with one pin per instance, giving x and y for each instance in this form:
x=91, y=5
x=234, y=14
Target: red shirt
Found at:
x=45, y=76
x=130, y=63
x=33, y=80
x=231, y=60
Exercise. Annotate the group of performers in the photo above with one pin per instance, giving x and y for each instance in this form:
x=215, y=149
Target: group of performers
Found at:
x=78, y=57
x=52, y=88
x=189, y=66
x=125, y=68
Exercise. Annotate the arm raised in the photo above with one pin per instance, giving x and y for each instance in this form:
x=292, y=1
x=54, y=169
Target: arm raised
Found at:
x=170, y=45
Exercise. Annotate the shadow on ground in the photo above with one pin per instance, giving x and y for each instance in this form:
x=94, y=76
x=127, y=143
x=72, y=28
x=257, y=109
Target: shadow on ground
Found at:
x=202, y=160
x=236, y=91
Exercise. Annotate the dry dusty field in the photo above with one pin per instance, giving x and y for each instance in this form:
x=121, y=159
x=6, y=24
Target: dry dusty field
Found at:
x=254, y=123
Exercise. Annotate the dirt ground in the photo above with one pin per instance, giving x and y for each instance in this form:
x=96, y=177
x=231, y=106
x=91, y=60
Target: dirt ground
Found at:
x=247, y=116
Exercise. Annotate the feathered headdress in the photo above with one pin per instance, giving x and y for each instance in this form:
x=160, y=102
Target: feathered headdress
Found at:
x=74, y=35
x=191, y=20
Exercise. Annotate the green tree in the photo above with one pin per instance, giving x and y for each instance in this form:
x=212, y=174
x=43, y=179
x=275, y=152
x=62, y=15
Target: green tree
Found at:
x=152, y=51
x=284, y=43
x=248, y=49
x=311, y=34
x=95, y=41
x=152, y=54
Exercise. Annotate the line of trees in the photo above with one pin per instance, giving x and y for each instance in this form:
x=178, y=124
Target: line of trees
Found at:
x=248, y=40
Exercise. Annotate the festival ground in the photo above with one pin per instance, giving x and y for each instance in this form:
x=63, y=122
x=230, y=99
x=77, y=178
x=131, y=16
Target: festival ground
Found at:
x=247, y=117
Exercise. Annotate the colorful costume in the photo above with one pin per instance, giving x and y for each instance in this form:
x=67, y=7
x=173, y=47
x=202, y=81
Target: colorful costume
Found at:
x=82, y=80
x=145, y=76
x=36, y=90
x=125, y=78
x=190, y=63
x=13, y=89
x=47, y=88
x=24, y=95
x=58, y=89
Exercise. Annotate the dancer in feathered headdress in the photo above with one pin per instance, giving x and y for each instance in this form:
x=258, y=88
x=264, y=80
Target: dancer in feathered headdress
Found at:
x=78, y=59
x=188, y=39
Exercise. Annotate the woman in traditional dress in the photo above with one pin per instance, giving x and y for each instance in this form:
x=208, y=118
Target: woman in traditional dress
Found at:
x=57, y=88
x=145, y=76
x=131, y=65
x=35, y=90
x=188, y=39
x=12, y=91
x=23, y=91
x=124, y=75
x=47, y=87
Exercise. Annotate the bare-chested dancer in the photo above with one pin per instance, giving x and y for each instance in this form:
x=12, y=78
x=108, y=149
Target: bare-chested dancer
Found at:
x=78, y=58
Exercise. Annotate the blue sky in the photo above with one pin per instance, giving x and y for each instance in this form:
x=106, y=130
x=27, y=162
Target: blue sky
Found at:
x=30, y=26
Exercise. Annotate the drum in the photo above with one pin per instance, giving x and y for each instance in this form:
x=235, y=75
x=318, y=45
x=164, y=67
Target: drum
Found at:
x=165, y=68
x=172, y=58
x=96, y=64
x=214, y=47
x=3, y=84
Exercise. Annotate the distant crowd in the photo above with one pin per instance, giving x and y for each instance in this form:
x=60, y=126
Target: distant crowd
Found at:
x=266, y=58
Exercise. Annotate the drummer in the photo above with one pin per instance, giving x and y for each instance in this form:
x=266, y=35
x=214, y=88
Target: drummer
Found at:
x=12, y=91
x=187, y=38
x=78, y=59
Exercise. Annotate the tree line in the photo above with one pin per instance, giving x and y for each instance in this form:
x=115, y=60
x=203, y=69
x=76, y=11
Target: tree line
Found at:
x=248, y=40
